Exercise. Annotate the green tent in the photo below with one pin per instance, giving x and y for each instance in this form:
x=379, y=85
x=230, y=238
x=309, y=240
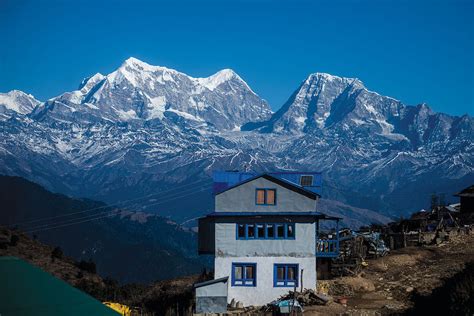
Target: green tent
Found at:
x=28, y=290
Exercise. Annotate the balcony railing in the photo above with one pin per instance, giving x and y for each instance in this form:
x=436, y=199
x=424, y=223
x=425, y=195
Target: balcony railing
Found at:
x=327, y=248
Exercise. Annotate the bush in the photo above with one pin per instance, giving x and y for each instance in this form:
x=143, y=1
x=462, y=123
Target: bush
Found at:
x=57, y=253
x=14, y=240
x=88, y=266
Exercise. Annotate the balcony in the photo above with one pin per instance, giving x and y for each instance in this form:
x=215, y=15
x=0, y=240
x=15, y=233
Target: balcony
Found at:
x=327, y=248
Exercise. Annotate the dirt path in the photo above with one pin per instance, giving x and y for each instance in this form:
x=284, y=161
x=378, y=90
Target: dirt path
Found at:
x=389, y=284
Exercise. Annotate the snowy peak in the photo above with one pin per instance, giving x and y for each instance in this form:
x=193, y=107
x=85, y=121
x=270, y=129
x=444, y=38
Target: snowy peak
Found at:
x=16, y=101
x=215, y=80
x=138, y=91
x=321, y=77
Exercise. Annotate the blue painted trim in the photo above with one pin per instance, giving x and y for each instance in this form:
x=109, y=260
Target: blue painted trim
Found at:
x=265, y=231
x=265, y=190
x=313, y=214
x=285, y=280
x=244, y=279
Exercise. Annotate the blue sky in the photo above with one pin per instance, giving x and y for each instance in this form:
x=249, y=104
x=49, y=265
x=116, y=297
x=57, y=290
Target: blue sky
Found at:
x=415, y=51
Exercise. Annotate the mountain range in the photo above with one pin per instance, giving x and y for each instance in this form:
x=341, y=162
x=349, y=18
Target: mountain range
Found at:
x=143, y=129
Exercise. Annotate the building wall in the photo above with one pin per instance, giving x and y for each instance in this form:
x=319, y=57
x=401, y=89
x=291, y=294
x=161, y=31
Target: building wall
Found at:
x=242, y=199
x=227, y=244
x=265, y=253
x=264, y=292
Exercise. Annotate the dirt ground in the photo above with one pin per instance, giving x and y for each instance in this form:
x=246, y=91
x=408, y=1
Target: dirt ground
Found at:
x=388, y=285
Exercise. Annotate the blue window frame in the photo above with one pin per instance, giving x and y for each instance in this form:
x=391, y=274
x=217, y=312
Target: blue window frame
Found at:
x=244, y=274
x=285, y=275
x=265, y=196
x=265, y=231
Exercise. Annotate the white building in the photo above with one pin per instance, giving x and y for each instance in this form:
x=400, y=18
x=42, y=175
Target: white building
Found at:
x=263, y=235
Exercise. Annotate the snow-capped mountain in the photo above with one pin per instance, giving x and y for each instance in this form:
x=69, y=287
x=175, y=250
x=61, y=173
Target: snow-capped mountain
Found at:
x=138, y=92
x=142, y=129
x=14, y=102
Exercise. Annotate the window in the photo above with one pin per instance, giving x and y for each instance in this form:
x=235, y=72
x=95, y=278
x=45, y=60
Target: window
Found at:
x=306, y=181
x=244, y=274
x=280, y=230
x=260, y=197
x=250, y=231
x=266, y=231
x=241, y=231
x=270, y=231
x=285, y=275
x=265, y=197
x=290, y=231
x=261, y=231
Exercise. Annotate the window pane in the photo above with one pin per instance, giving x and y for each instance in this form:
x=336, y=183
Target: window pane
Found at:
x=241, y=231
x=271, y=197
x=280, y=273
x=290, y=231
x=260, y=231
x=260, y=196
x=280, y=231
x=238, y=272
x=270, y=231
x=306, y=180
x=249, y=272
x=251, y=231
x=291, y=273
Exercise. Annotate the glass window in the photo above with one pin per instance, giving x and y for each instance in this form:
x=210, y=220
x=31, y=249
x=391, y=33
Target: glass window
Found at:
x=291, y=273
x=266, y=231
x=280, y=229
x=306, y=181
x=285, y=275
x=238, y=272
x=241, y=231
x=251, y=231
x=270, y=231
x=281, y=273
x=249, y=272
x=290, y=231
x=244, y=274
x=260, y=196
x=271, y=197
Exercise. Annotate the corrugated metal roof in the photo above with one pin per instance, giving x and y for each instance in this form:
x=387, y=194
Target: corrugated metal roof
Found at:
x=201, y=284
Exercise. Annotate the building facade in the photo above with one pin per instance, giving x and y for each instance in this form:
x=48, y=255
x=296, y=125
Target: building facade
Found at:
x=263, y=235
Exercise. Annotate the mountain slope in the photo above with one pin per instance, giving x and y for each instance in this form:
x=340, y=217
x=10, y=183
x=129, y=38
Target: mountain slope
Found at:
x=16, y=102
x=123, y=244
x=143, y=129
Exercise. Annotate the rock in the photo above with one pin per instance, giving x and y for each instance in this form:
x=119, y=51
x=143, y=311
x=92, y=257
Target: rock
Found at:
x=409, y=289
x=233, y=303
x=240, y=305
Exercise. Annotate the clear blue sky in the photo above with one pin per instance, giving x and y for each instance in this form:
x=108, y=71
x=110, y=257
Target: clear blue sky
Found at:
x=415, y=51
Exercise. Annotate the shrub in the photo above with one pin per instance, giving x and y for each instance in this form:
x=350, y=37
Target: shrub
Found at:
x=88, y=266
x=57, y=253
x=14, y=240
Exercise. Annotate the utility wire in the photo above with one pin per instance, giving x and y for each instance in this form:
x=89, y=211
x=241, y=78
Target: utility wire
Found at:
x=105, y=206
x=111, y=213
x=166, y=199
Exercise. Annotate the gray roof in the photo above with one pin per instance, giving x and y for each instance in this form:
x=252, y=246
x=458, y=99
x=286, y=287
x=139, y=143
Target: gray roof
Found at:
x=201, y=284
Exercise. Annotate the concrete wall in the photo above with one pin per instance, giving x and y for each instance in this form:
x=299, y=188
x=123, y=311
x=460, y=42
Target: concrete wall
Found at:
x=216, y=289
x=264, y=292
x=212, y=298
x=242, y=199
x=227, y=244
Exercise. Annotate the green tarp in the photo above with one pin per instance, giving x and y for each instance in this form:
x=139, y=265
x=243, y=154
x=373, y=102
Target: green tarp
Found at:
x=28, y=290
